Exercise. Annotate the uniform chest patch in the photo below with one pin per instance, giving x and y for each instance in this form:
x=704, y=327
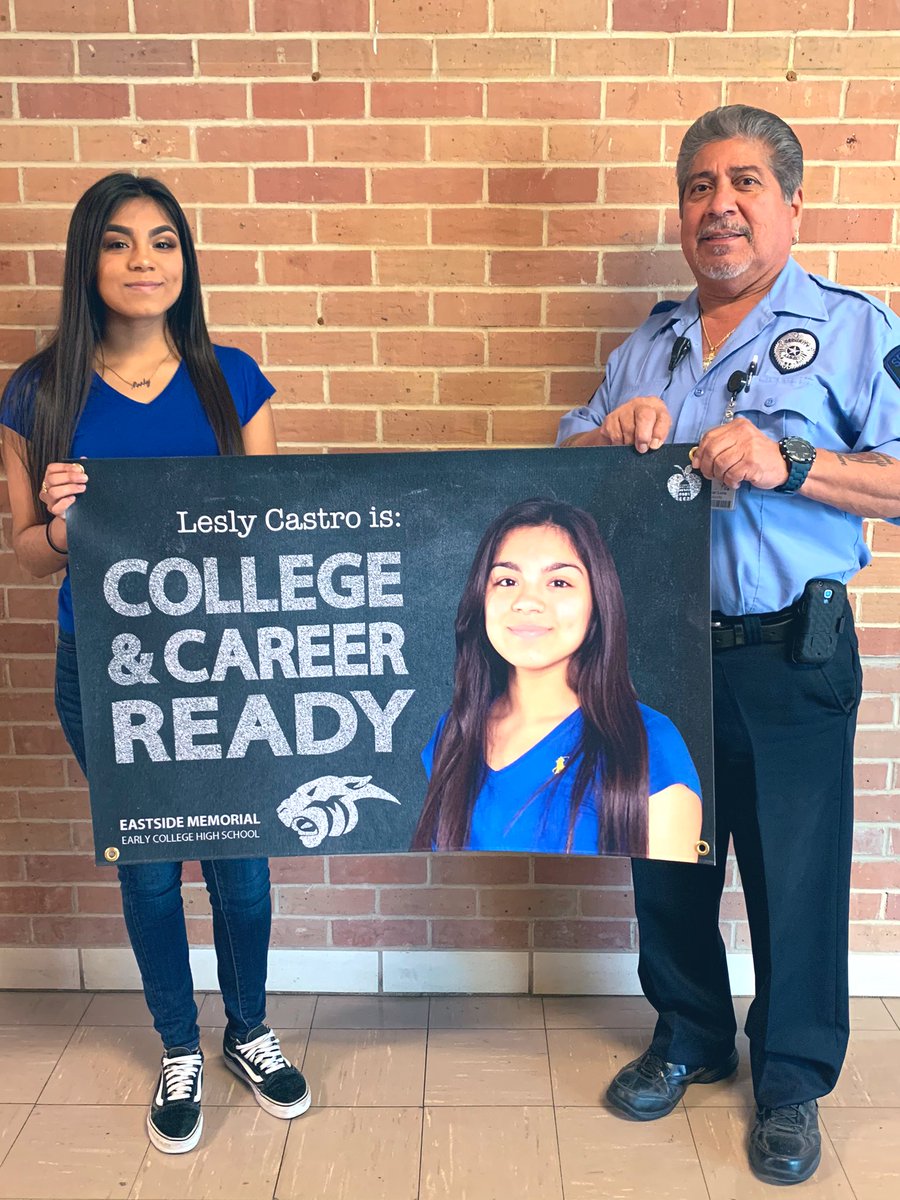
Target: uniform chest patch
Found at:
x=794, y=350
x=892, y=364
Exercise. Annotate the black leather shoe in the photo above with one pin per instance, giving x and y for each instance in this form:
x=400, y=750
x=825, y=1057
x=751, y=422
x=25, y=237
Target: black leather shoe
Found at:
x=650, y=1087
x=785, y=1144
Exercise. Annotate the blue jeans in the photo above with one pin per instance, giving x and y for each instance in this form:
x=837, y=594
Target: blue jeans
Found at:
x=154, y=913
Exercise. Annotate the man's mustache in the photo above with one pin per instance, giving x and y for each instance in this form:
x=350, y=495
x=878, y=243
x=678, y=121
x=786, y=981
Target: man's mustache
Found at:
x=724, y=227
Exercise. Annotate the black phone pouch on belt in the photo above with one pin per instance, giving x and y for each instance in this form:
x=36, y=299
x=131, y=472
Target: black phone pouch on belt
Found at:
x=821, y=614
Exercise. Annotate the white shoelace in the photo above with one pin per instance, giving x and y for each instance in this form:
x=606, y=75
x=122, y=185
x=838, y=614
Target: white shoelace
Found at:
x=180, y=1076
x=265, y=1053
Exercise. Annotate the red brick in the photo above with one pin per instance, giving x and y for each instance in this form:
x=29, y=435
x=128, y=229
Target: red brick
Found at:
x=372, y=227
x=607, y=56
x=479, y=935
x=528, y=902
x=492, y=226
x=325, y=901
x=378, y=868
x=421, y=429
x=65, y=868
x=66, y=805
x=602, y=227
x=375, y=309
x=5, y=99
x=720, y=55
x=16, y=345
x=490, y=56
x=806, y=14
x=878, y=874
x=11, y=867
x=77, y=931
x=9, y=186
x=74, y=101
x=36, y=900
x=228, y=266
x=592, y=310
x=293, y=932
x=525, y=427
x=325, y=427
x=297, y=387
x=254, y=306
x=384, y=388
x=431, y=16
x=880, y=642
x=200, y=16
x=550, y=185
x=283, y=16
x=297, y=870
x=133, y=56
x=670, y=16
x=377, y=933
x=563, y=16
x=415, y=101
x=39, y=739
x=23, y=637
x=277, y=144
x=98, y=900
x=582, y=869
x=367, y=143
x=848, y=142
x=583, y=935
x=26, y=706
x=320, y=348
x=544, y=101
x=660, y=101
x=190, y=102
x=802, y=98
x=486, y=143
x=540, y=349
x=489, y=389
x=834, y=226
x=438, y=268
x=866, y=906
x=395, y=58
x=36, y=836
x=523, y=268
x=35, y=56
x=427, y=185
x=133, y=143
x=868, y=269
x=67, y=16
x=639, y=185
x=426, y=902
x=13, y=267
x=308, y=101
x=310, y=185
x=606, y=903
x=847, y=54
x=255, y=57
x=483, y=310
x=873, y=14
x=586, y=143
x=300, y=268
x=872, y=98
x=430, y=348
x=257, y=226
x=479, y=869
x=641, y=268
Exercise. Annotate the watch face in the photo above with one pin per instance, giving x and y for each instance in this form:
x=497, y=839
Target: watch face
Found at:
x=797, y=449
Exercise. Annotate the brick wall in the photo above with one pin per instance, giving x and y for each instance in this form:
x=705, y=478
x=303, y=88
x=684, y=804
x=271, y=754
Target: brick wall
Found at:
x=430, y=221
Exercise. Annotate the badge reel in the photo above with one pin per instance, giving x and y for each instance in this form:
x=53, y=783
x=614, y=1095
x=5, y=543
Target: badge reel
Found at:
x=721, y=496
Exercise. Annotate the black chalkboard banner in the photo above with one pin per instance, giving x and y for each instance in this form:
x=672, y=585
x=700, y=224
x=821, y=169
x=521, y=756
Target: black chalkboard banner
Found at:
x=267, y=644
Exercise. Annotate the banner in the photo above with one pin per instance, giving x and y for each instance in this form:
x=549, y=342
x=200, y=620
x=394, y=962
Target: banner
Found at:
x=266, y=647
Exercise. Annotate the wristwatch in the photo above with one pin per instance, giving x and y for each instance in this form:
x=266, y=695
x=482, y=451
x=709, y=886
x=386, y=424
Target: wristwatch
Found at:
x=799, y=456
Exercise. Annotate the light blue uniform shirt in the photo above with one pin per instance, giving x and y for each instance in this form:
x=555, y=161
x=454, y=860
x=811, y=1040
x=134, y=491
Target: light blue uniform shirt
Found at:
x=842, y=399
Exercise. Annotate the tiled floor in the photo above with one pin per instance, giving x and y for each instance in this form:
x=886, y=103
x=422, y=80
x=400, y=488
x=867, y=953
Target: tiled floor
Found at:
x=453, y=1098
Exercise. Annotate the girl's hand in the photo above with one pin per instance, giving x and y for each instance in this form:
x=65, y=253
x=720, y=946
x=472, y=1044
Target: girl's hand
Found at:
x=62, y=483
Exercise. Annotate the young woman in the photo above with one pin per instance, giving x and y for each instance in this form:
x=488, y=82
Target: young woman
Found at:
x=545, y=746
x=131, y=372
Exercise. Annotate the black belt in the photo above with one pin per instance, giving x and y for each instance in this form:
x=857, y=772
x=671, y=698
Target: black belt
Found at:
x=751, y=630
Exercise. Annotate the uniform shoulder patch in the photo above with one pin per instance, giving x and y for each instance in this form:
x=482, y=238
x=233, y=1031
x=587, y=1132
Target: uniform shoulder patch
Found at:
x=892, y=364
x=794, y=350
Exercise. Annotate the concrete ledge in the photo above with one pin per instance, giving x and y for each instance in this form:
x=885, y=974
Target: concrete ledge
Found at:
x=541, y=972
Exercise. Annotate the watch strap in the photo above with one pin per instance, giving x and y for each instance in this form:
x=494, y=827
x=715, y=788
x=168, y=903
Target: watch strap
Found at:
x=797, y=471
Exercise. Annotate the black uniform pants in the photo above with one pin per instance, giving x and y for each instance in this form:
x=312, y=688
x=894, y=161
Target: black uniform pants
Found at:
x=784, y=792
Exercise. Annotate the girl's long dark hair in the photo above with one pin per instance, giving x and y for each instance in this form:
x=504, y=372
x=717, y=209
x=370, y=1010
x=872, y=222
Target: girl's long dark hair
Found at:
x=612, y=751
x=59, y=376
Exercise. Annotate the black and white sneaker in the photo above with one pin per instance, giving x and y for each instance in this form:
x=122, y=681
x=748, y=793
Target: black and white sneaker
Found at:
x=175, y=1121
x=279, y=1088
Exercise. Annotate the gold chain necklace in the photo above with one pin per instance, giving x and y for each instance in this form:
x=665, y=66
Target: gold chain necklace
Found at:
x=711, y=348
x=134, y=383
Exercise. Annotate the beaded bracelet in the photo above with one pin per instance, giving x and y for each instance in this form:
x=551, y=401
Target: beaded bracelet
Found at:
x=50, y=542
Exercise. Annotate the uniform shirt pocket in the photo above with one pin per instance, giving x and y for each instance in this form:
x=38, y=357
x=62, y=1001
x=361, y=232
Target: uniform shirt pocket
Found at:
x=781, y=408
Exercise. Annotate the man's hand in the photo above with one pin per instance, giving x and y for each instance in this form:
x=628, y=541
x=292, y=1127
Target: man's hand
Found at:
x=739, y=452
x=642, y=422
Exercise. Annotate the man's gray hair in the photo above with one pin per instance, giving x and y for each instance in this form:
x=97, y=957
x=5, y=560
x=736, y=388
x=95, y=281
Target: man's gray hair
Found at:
x=752, y=124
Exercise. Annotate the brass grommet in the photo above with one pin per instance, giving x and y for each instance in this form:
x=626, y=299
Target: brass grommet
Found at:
x=111, y=854
x=702, y=848
x=693, y=450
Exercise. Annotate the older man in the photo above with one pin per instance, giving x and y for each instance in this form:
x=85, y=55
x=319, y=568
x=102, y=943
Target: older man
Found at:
x=789, y=388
